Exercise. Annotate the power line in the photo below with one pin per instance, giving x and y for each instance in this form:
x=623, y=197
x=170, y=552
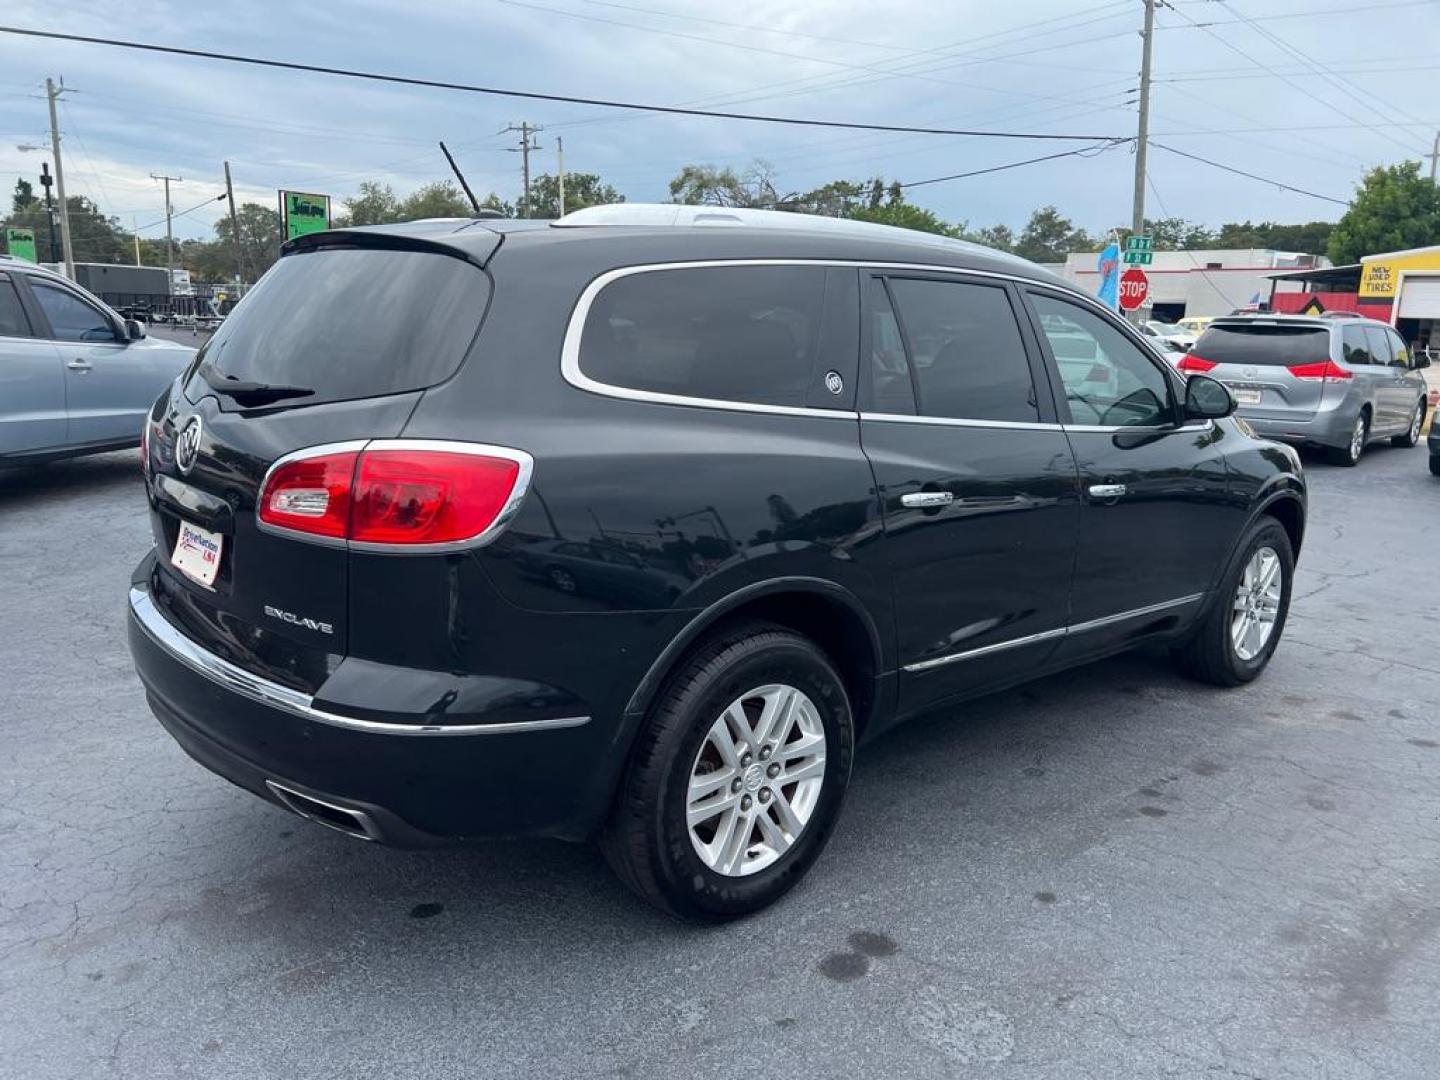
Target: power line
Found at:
x=1252, y=176
x=405, y=80
x=1084, y=151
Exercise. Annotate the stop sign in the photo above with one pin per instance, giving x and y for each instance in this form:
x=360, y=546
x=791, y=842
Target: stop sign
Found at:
x=1134, y=288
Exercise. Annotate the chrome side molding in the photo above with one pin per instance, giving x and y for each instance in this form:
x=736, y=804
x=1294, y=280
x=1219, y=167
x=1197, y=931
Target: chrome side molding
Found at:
x=233, y=677
x=1059, y=632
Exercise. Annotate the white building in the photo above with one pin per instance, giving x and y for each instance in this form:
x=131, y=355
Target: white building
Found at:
x=1202, y=282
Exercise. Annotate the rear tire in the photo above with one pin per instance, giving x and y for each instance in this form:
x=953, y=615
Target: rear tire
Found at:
x=1412, y=433
x=1349, y=454
x=1217, y=652
x=654, y=840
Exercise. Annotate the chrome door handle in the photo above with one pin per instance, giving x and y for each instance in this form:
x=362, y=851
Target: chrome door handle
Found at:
x=917, y=500
x=78, y=364
x=1106, y=491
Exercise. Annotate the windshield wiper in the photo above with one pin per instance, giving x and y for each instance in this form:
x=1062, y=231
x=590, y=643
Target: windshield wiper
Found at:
x=244, y=392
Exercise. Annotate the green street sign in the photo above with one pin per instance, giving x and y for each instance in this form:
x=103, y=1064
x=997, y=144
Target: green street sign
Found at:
x=21, y=244
x=1139, y=243
x=302, y=214
x=1139, y=258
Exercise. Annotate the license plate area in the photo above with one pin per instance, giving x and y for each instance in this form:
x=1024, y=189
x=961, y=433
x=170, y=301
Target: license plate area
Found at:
x=197, y=553
x=1245, y=395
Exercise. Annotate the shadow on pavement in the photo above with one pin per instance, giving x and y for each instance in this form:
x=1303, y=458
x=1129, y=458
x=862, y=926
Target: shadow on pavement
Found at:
x=22, y=483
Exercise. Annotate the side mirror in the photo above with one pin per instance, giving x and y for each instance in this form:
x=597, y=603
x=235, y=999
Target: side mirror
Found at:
x=1422, y=360
x=134, y=329
x=1207, y=399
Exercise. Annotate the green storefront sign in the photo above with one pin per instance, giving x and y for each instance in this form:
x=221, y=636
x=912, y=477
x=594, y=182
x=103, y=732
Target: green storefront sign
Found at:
x=302, y=214
x=21, y=244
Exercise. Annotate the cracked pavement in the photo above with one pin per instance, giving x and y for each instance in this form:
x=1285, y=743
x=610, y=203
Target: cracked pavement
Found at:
x=1109, y=873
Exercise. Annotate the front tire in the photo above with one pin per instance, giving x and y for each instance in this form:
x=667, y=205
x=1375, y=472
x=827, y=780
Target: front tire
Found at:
x=1412, y=433
x=1238, y=634
x=737, y=778
x=1349, y=454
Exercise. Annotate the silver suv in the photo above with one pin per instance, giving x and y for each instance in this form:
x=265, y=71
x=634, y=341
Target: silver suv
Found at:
x=1323, y=382
x=77, y=377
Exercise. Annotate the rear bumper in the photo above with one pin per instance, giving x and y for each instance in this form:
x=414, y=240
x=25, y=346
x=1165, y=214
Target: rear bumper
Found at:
x=1327, y=427
x=406, y=784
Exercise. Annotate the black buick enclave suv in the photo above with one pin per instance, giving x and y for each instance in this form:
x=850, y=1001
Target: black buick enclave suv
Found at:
x=634, y=524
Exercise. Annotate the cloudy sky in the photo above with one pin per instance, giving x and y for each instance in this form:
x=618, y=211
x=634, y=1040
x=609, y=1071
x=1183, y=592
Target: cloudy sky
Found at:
x=1305, y=92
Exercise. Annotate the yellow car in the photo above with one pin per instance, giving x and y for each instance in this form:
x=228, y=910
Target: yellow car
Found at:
x=1196, y=324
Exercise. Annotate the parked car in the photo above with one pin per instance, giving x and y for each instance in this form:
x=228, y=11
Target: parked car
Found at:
x=1333, y=383
x=860, y=483
x=1170, y=336
x=75, y=378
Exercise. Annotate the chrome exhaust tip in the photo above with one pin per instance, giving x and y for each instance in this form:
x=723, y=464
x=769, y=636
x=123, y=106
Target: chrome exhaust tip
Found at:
x=343, y=819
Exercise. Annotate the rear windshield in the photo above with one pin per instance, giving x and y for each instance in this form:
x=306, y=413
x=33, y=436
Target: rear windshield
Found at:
x=1260, y=345
x=351, y=323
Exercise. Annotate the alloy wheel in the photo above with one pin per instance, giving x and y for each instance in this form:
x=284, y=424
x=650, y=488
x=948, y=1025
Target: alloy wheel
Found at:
x=1357, y=439
x=1415, y=422
x=1257, y=603
x=756, y=780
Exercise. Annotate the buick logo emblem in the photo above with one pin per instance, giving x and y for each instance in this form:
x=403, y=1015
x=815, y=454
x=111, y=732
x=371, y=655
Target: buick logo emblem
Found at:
x=1250, y=373
x=833, y=382
x=187, y=446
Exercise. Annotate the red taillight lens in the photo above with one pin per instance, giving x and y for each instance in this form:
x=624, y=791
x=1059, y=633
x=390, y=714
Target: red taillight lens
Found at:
x=428, y=496
x=1196, y=364
x=392, y=494
x=1326, y=369
x=311, y=494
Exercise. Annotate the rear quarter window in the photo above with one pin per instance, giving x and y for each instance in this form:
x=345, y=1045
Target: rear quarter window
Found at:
x=352, y=323
x=1262, y=345
x=753, y=334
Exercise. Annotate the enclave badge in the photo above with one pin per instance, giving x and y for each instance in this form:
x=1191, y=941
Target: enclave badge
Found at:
x=187, y=446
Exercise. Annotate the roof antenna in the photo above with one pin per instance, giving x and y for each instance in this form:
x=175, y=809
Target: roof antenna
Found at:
x=461, y=177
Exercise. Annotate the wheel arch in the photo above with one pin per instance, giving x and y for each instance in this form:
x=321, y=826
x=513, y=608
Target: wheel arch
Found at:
x=1288, y=508
x=826, y=613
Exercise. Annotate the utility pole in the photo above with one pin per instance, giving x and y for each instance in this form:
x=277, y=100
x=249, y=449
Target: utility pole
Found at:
x=234, y=228
x=560, y=165
x=528, y=132
x=1433, y=155
x=1137, y=212
x=169, y=235
x=53, y=92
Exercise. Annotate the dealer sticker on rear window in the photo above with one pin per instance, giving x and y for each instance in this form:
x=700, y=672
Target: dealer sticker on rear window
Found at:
x=197, y=553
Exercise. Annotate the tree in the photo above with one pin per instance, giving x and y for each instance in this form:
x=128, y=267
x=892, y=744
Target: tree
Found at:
x=1177, y=234
x=1311, y=237
x=707, y=185
x=441, y=199
x=373, y=204
x=999, y=237
x=1395, y=207
x=905, y=216
x=1049, y=237
x=839, y=198
x=581, y=190
x=259, y=239
x=24, y=196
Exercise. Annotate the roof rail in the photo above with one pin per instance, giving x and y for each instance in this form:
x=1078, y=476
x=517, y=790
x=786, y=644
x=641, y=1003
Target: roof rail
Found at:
x=680, y=215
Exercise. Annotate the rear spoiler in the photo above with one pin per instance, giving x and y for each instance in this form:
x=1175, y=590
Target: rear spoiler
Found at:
x=459, y=238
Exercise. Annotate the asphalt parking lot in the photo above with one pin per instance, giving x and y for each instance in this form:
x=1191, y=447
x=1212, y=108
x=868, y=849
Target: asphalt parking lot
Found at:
x=1110, y=873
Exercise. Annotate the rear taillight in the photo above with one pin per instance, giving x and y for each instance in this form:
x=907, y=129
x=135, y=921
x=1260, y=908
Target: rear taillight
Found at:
x=1324, y=370
x=400, y=494
x=309, y=492
x=1195, y=364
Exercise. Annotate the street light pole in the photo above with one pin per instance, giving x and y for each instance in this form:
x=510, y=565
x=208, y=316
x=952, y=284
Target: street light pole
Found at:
x=169, y=235
x=52, y=93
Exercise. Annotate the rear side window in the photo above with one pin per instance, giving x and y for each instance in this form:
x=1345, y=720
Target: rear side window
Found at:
x=1382, y=351
x=966, y=351
x=752, y=334
x=1264, y=346
x=13, y=322
x=1355, y=345
x=352, y=323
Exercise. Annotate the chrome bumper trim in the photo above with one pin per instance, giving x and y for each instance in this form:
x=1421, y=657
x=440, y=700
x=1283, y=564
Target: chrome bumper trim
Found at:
x=1048, y=635
x=222, y=672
